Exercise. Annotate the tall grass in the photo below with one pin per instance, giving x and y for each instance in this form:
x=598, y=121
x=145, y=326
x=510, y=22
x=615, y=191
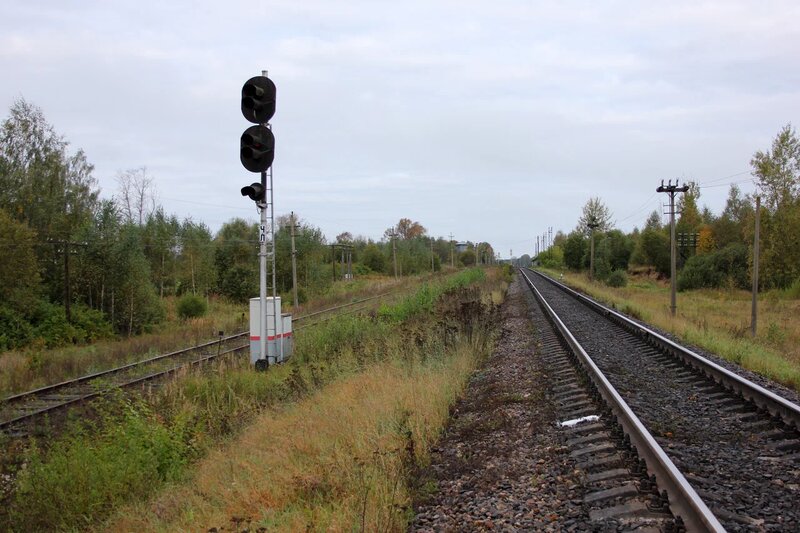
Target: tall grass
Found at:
x=198, y=410
x=336, y=461
x=37, y=366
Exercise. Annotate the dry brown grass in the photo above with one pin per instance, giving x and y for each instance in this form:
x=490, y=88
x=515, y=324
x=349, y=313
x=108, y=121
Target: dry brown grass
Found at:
x=38, y=366
x=336, y=461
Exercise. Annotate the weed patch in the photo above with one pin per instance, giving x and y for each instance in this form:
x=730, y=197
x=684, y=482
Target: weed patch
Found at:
x=417, y=360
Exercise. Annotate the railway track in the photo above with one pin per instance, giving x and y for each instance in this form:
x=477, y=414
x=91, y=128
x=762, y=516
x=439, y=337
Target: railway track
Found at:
x=20, y=410
x=723, y=452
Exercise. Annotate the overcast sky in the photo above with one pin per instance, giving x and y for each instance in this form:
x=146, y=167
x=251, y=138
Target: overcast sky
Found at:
x=490, y=120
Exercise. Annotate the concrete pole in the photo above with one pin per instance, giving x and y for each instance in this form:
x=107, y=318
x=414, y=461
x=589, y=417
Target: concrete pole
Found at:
x=394, y=254
x=754, y=314
x=67, y=284
x=333, y=260
x=294, y=265
x=673, y=306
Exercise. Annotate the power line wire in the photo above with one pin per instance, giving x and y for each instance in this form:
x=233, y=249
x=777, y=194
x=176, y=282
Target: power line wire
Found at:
x=715, y=180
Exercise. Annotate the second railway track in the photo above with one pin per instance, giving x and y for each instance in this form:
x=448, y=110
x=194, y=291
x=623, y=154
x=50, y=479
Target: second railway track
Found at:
x=735, y=443
x=19, y=410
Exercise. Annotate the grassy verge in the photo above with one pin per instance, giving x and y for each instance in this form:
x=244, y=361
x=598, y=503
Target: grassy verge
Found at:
x=338, y=460
x=715, y=320
x=136, y=447
x=38, y=366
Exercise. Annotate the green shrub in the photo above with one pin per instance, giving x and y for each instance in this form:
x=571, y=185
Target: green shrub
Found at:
x=617, y=278
x=361, y=270
x=92, y=323
x=713, y=270
x=86, y=474
x=15, y=331
x=793, y=291
x=50, y=324
x=191, y=306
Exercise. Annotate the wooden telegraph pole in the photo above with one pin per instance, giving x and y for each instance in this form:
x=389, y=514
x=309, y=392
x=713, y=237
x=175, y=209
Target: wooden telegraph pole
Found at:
x=393, y=235
x=672, y=190
x=754, y=315
x=452, y=253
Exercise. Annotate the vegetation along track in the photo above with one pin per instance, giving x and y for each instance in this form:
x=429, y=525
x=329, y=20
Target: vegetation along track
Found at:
x=735, y=442
x=17, y=412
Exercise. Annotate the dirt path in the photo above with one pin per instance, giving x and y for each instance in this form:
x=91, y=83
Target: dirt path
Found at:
x=500, y=464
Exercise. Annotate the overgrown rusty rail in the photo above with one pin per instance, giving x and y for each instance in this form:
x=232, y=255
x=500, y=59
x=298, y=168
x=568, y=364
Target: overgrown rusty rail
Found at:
x=24, y=407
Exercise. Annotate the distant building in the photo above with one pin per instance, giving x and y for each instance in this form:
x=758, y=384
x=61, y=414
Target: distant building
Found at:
x=461, y=247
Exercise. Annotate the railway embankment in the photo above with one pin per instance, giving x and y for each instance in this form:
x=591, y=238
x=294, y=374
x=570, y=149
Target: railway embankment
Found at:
x=325, y=440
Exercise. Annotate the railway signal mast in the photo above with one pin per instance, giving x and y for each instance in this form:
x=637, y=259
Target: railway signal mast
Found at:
x=672, y=190
x=257, y=152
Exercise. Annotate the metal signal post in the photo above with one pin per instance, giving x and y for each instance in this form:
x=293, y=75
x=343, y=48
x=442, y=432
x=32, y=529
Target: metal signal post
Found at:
x=257, y=152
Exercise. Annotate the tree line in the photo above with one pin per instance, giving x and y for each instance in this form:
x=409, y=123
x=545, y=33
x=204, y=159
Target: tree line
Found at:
x=75, y=267
x=714, y=250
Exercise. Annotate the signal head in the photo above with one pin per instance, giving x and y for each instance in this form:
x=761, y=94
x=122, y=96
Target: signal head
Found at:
x=255, y=192
x=258, y=99
x=257, y=148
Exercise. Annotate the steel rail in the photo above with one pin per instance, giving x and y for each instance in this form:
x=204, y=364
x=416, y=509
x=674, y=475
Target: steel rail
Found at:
x=100, y=392
x=115, y=370
x=88, y=377
x=683, y=499
x=769, y=401
x=330, y=309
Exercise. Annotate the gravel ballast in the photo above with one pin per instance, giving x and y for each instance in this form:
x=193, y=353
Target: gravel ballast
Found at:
x=501, y=464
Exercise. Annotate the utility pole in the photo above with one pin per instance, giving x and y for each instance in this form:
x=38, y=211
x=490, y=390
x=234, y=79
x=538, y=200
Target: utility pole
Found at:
x=344, y=270
x=294, y=263
x=433, y=268
x=592, y=225
x=452, y=252
x=754, y=316
x=333, y=261
x=393, y=235
x=67, y=291
x=672, y=190
x=66, y=243
x=537, y=246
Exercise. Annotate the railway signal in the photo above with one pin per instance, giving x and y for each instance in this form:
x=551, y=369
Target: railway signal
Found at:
x=255, y=192
x=257, y=148
x=257, y=152
x=258, y=99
